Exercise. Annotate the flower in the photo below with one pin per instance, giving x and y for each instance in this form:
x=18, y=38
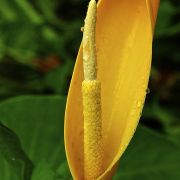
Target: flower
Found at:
x=124, y=33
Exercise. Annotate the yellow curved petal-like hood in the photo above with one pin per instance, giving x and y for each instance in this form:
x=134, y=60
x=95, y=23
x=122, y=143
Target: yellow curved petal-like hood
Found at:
x=124, y=44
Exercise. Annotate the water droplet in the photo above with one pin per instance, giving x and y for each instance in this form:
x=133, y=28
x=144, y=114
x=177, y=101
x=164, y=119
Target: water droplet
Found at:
x=140, y=113
x=147, y=91
x=86, y=57
x=126, y=145
x=121, y=148
x=86, y=37
x=133, y=131
x=132, y=112
x=82, y=29
x=139, y=104
x=143, y=78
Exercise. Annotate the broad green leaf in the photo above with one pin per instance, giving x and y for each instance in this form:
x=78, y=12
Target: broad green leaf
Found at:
x=7, y=172
x=150, y=156
x=63, y=171
x=10, y=148
x=38, y=122
x=43, y=172
x=174, y=133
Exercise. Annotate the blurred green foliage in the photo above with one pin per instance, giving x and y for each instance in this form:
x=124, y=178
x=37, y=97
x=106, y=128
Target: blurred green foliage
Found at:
x=38, y=45
x=162, y=104
x=39, y=40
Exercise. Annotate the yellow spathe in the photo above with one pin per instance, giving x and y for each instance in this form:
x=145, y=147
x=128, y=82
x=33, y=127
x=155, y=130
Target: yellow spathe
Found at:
x=124, y=44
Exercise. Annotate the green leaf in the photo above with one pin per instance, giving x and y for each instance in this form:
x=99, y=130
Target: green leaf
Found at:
x=7, y=172
x=166, y=12
x=10, y=148
x=47, y=7
x=29, y=11
x=150, y=156
x=43, y=172
x=39, y=122
x=63, y=171
x=7, y=11
x=163, y=115
x=57, y=79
